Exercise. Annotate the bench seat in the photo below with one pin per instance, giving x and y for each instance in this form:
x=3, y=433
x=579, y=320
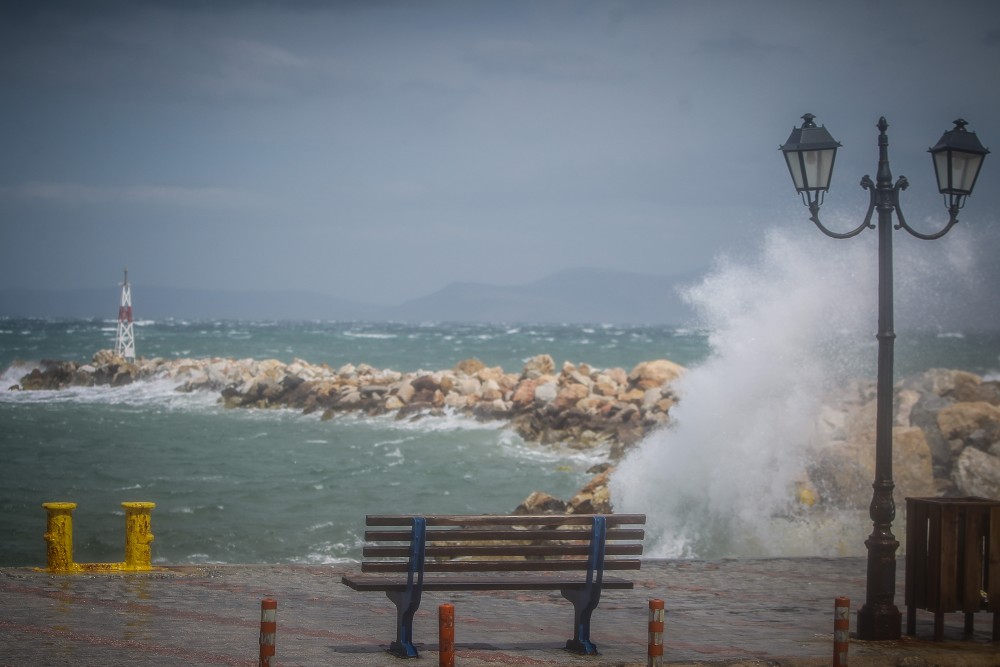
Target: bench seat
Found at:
x=379, y=584
x=410, y=554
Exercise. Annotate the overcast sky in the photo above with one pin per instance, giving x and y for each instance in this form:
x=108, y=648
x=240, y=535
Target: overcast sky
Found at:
x=381, y=150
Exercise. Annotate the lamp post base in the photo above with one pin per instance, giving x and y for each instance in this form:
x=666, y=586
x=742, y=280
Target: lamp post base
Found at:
x=879, y=622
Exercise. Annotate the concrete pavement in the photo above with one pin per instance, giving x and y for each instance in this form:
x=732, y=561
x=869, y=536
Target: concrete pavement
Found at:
x=732, y=612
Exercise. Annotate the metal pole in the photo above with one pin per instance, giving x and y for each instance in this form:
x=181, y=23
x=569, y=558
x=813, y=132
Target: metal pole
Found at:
x=654, y=648
x=268, y=630
x=841, y=631
x=879, y=618
x=446, y=635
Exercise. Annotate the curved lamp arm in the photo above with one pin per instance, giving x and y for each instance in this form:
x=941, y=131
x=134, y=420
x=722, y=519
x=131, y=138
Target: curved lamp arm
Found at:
x=814, y=216
x=952, y=221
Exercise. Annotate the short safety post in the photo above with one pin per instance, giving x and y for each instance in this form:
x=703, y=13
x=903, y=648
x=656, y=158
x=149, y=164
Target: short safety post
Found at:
x=841, y=631
x=138, y=536
x=656, y=621
x=446, y=635
x=59, y=535
x=268, y=626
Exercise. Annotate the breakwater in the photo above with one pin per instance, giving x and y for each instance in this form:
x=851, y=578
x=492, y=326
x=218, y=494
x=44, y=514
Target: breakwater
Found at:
x=576, y=404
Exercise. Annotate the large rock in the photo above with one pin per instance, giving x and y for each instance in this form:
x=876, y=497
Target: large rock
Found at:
x=654, y=374
x=961, y=420
x=541, y=503
x=539, y=365
x=594, y=497
x=977, y=474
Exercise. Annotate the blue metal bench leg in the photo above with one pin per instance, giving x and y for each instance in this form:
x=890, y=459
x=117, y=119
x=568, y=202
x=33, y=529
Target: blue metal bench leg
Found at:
x=585, y=599
x=406, y=606
x=584, y=603
x=408, y=600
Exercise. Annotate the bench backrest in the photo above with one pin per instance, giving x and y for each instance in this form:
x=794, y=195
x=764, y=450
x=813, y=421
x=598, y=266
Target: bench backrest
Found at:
x=486, y=543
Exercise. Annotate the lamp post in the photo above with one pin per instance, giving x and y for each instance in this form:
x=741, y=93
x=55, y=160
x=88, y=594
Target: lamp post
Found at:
x=810, y=152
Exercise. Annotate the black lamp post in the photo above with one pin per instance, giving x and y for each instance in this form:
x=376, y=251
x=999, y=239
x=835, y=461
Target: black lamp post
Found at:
x=958, y=156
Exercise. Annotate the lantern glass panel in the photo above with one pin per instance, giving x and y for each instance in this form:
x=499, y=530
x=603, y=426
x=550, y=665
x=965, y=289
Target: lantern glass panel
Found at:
x=964, y=168
x=811, y=170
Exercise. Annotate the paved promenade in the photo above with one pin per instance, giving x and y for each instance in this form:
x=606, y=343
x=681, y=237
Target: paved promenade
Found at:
x=734, y=612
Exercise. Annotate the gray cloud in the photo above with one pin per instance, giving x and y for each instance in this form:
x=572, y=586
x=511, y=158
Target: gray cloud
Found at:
x=383, y=150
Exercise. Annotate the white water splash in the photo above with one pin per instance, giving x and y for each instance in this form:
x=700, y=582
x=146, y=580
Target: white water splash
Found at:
x=721, y=479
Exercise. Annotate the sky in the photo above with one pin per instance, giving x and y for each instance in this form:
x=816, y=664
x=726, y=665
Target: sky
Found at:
x=381, y=150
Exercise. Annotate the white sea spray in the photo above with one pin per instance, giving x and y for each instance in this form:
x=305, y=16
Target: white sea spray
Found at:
x=713, y=483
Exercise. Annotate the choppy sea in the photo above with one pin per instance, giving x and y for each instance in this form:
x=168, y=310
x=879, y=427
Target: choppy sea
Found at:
x=276, y=486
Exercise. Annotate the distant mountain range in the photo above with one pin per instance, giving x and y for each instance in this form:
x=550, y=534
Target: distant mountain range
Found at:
x=571, y=296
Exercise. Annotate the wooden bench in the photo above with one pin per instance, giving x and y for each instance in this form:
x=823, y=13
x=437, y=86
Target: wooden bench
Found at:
x=569, y=553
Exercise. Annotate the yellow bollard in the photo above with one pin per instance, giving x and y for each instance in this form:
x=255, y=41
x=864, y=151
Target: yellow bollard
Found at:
x=59, y=535
x=138, y=536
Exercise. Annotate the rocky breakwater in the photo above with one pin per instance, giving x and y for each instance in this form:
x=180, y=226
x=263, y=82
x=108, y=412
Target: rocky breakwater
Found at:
x=576, y=405
x=946, y=440
x=946, y=443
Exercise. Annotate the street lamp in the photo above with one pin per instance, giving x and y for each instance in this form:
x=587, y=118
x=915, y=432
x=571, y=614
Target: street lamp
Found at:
x=958, y=156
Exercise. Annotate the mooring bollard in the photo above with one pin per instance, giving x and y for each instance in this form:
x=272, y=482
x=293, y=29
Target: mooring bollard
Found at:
x=268, y=627
x=59, y=535
x=446, y=635
x=657, y=616
x=841, y=631
x=138, y=535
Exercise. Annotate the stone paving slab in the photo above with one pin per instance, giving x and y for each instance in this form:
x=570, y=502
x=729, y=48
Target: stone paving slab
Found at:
x=732, y=612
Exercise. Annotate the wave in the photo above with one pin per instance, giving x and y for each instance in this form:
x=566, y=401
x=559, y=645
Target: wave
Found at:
x=158, y=392
x=715, y=478
x=370, y=335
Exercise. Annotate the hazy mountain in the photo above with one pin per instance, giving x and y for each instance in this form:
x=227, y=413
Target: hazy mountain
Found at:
x=578, y=295
x=575, y=295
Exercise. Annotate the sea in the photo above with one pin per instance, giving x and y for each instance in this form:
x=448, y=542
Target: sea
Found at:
x=277, y=486
x=772, y=337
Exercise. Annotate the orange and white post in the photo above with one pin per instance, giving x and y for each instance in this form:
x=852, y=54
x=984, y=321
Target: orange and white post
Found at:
x=657, y=617
x=268, y=627
x=841, y=631
x=446, y=635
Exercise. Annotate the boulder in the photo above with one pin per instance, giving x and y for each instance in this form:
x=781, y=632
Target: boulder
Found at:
x=977, y=474
x=541, y=503
x=539, y=365
x=651, y=374
x=524, y=394
x=594, y=498
x=469, y=366
x=546, y=393
x=960, y=420
x=569, y=396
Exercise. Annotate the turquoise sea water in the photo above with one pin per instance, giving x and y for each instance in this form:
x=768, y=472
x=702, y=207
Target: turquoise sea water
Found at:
x=277, y=486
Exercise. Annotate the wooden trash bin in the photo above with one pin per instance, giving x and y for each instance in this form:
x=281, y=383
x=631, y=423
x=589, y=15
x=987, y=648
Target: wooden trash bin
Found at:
x=952, y=560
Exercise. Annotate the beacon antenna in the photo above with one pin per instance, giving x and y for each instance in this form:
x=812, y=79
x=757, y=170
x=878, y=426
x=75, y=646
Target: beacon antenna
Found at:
x=125, y=339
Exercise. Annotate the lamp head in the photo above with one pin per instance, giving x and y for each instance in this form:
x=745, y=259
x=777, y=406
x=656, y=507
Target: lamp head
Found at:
x=958, y=157
x=810, y=152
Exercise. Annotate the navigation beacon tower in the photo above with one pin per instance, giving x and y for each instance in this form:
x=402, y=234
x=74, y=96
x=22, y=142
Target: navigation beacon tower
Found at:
x=125, y=339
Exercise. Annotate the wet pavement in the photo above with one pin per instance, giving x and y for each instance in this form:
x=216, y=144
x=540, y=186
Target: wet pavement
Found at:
x=733, y=612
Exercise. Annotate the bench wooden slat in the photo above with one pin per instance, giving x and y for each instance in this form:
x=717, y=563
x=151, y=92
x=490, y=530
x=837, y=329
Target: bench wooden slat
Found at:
x=503, y=520
x=527, y=550
x=498, y=565
x=362, y=583
x=475, y=535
